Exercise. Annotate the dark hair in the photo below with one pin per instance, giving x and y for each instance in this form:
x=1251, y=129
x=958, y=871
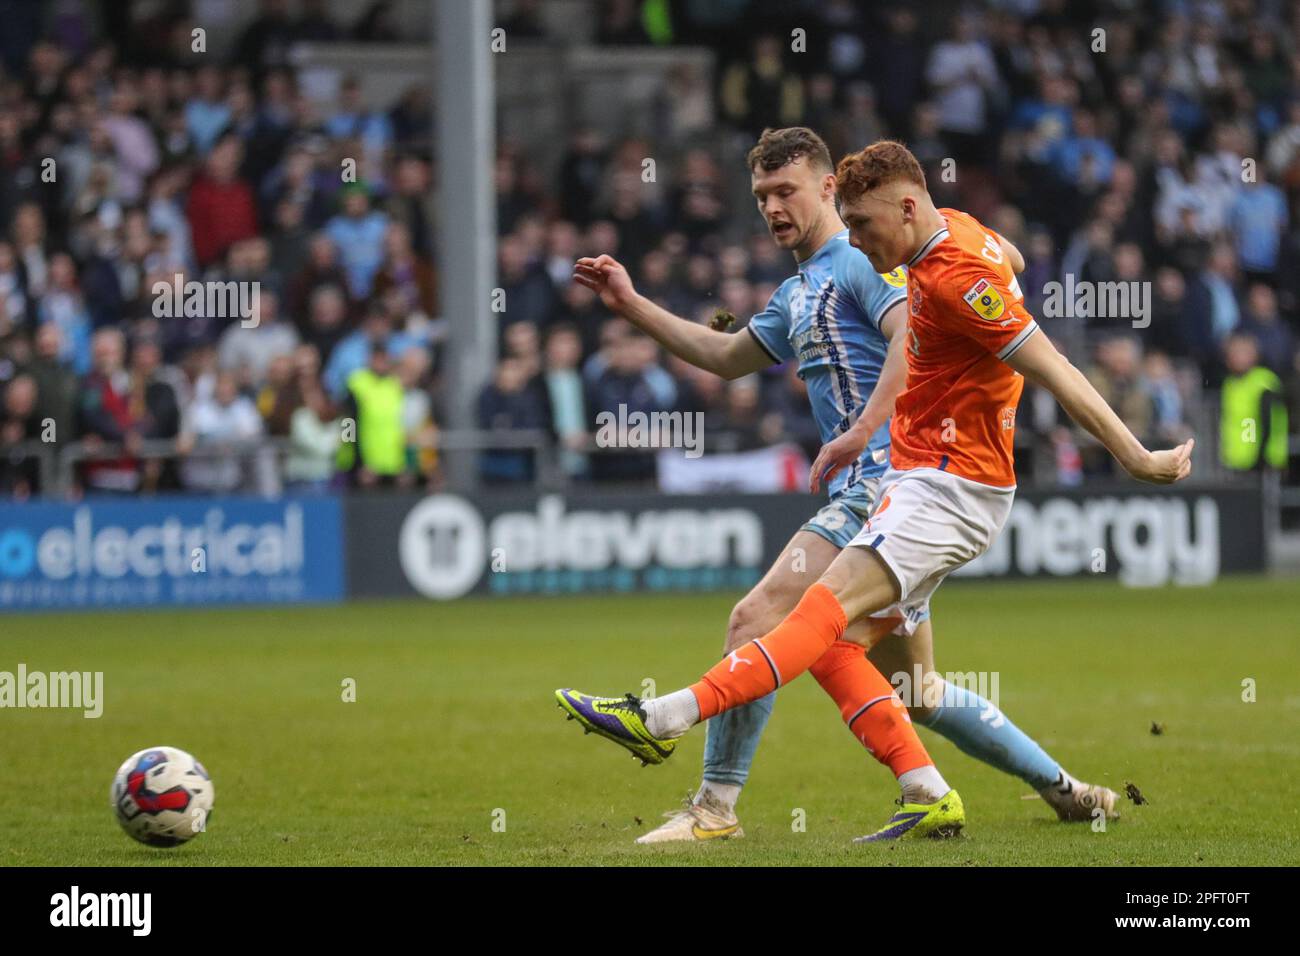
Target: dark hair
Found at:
x=777, y=147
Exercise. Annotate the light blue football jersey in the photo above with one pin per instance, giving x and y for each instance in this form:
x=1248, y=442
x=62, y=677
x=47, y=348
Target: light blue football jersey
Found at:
x=828, y=318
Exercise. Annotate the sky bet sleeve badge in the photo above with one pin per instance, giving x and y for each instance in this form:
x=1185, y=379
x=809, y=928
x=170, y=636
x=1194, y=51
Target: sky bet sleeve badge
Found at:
x=985, y=300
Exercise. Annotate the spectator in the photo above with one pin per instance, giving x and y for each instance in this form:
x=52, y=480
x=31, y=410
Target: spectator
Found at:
x=631, y=381
x=279, y=395
x=266, y=40
x=1258, y=219
x=1117, y=378
x=29, y=248
x=321, y=269
x=785, y=413
x=353, y=351
x=221, y=209
x=63, y=306
x=405, y=273
x=291, y=240
x=564, y=393
x=964, y=77
x=527, y=292
x=581, y=172
x=1273, y=336
x=105, y=416
x=1161, y=386
x=738, y=427
x=326, y=323
x=19, y=424
x=761, y=91
x=375, y=399
x=1253, y=417
x=155, y=409
x=898, y=68
x=1219, y=280
x=417, y=414
x=249, y=350
x=313, y=443
x=166, y=215
x=56, y=384
x=1084, y=159
x=206, y=113
x=407, y=203
x=358, y=235
x=13, y=298
x=223, y=430
x=510, y=402
x=352, y=119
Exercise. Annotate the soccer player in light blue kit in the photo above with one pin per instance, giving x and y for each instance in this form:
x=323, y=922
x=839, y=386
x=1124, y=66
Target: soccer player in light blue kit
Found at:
x=846, y=326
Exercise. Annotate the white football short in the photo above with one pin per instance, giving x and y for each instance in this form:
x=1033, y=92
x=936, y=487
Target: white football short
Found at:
x=926, y=524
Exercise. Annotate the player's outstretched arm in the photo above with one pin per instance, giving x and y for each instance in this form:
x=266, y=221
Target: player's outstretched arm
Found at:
x=847, y=448
x=1039, y=361
x=721, y=353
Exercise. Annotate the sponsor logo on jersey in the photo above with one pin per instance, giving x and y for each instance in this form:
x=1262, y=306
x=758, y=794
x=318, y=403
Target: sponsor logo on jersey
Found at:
x=985, y=300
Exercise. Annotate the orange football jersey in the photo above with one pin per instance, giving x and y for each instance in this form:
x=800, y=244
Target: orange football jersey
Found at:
x=966, y=316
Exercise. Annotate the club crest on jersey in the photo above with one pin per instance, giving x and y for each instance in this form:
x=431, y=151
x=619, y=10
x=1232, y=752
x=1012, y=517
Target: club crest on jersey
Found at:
x=798, y=302
x=985, y=300
x=895, y=277
x=916, y=300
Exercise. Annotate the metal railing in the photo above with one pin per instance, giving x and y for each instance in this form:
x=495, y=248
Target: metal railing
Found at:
x=58, y=464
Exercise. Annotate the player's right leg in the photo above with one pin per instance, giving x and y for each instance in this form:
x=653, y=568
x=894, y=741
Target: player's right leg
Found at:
x=980, y=729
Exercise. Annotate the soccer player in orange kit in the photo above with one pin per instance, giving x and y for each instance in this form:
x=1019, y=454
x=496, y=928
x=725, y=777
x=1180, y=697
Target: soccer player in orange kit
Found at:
x=951, y=481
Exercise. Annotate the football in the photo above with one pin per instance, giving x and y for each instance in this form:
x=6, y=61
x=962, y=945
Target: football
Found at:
x=162, y=796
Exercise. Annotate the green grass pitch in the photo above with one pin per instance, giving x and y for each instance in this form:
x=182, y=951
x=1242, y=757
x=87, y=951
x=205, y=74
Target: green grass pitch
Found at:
x=454, y=729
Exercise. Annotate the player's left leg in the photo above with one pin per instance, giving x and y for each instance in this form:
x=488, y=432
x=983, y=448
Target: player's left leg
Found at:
x=979, y=728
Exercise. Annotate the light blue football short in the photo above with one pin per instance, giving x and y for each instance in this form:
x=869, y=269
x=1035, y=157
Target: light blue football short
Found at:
x=840, y=520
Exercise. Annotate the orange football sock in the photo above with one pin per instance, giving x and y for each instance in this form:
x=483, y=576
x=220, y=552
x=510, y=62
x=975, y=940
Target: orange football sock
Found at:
x=756, y=669
x=872, y=711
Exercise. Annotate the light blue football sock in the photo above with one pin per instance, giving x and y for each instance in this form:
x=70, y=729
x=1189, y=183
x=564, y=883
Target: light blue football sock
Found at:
x=984, y=732
x=732, y=738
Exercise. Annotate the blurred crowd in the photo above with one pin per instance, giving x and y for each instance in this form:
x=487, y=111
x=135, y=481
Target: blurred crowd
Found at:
x=1154, y=143
x=1164, y=150
x=131, y=166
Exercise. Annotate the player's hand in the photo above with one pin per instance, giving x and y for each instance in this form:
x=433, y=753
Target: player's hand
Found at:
x=605, y=276
x=836, y=454
x=1166, y=467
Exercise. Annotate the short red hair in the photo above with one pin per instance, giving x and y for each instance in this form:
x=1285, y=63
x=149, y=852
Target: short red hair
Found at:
x=884, y=161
